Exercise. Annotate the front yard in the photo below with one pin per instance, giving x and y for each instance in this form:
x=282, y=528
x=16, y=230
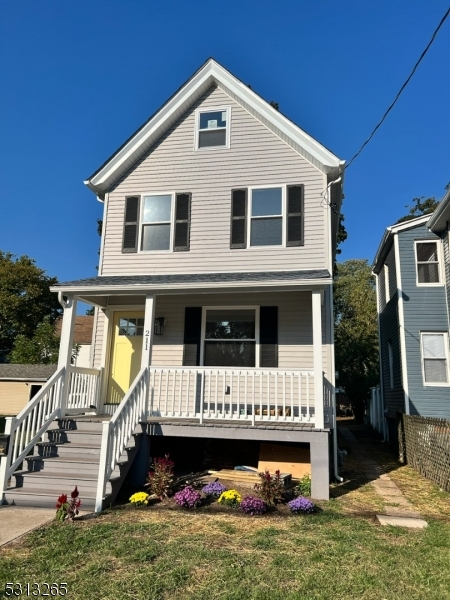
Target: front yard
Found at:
x=163, y=552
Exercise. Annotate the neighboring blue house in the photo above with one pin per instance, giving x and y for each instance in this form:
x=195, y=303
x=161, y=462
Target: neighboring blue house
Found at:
x=412, y=271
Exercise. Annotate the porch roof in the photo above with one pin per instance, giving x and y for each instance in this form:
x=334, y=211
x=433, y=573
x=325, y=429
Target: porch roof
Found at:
x=125, y=284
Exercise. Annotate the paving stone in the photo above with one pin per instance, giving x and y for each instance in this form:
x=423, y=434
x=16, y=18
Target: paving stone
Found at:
x=385, y=484
x=412, y=523
x=399, y=511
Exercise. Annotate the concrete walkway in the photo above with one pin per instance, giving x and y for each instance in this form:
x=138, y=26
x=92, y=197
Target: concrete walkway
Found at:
x=397, y=509
x=15, y=521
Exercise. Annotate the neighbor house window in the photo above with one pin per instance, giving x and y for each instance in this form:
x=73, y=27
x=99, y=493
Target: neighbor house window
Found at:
x=434, y=348
x=427, y=261
x=166, y=220
x=229, y=337
x=213, y=128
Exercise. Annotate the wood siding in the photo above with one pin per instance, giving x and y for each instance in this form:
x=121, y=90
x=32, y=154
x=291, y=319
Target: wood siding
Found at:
x=14, y=396
x=425, y=309
x=256, y=157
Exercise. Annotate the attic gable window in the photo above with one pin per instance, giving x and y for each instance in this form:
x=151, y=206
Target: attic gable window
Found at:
x=212, y=128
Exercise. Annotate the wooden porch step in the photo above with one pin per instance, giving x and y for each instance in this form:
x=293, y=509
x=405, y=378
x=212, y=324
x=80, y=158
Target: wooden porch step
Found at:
x=59, y=484
x=22, y=497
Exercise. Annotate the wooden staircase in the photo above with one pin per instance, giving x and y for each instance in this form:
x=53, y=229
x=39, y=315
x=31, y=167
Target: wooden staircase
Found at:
x=69, y=456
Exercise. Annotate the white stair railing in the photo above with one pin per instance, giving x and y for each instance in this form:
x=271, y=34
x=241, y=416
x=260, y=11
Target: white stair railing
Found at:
x=84, y=387
x=118, y=431
x=27, y=428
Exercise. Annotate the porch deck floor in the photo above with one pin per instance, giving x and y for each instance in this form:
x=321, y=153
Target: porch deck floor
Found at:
x=233, y=424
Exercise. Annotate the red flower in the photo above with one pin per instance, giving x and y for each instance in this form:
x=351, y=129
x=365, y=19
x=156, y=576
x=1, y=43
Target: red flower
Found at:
x=75, y=493
x=61, y=500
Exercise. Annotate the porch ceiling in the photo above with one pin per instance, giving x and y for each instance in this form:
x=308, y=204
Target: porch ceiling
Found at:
x=132, y=289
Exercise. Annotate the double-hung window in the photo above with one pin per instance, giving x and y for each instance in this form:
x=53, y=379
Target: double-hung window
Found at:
x=434, y=348
x=157, y=222
x=213, y=128
x=266, y=216
x=427, y=263
x=229, y=337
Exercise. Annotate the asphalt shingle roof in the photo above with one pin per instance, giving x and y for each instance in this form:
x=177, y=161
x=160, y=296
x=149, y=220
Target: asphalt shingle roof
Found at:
x=26, y=372
x=160, y=280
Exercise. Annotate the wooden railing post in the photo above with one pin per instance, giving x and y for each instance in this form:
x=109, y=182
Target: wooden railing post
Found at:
x=5, y=461
x=101, y=483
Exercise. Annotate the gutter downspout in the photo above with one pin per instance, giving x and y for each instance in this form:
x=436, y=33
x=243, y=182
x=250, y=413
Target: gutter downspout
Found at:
x=61, y=300
x=333, y=399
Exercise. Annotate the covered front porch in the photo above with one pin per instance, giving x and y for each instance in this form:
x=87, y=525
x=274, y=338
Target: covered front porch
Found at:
x=244, y=353
x=241, y=361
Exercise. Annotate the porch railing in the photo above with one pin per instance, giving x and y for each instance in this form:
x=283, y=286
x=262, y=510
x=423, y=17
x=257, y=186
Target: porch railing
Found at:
x=27, y=428
x=118, y=431
x=328, y=400
x=84, y=389
x=232, y=394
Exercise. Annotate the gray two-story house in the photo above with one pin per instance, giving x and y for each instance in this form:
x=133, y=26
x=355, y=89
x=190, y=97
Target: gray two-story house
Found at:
x=412, y=275
x=213, y=302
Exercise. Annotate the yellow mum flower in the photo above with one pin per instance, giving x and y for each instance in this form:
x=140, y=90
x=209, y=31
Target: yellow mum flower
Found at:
x=139, y=498
x=230, y=498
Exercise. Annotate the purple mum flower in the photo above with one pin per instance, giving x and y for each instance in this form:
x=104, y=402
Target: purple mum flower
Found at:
x=188, y=497
x=253, y=506
x=301, y=505
x=215, y=488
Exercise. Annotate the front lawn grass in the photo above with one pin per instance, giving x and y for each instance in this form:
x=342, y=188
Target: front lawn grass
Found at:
x=152, y=554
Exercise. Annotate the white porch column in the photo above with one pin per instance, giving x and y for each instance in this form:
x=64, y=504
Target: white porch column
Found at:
x=317, y=352
x=66, y=344
x=149, y=323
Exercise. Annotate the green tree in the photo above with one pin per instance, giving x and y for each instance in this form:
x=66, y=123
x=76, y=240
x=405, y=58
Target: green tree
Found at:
x=41, y=348
x=356, y=331
x=25, y=299
x=421, y=206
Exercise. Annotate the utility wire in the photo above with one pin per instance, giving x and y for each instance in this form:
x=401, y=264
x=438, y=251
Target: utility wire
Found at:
x=324, y=194
x=400, y=91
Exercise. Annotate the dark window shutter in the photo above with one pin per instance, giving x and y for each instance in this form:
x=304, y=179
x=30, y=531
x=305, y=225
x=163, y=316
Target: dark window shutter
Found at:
x=192, y=335
x=238, y=219
x=131, y=224
x=295, y=215
x=182, y=222
x=268, y=336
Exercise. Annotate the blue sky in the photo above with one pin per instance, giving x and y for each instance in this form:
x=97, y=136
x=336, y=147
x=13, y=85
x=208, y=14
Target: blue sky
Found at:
x=79, y=77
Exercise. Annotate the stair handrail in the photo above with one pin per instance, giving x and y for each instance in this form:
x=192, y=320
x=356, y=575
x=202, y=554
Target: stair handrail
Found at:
x=119, y=429
x=31, y=423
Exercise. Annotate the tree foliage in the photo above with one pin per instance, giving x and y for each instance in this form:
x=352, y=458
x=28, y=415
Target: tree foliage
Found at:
x=41, y=348
x=25, y=299
x=420, y=206
x=356, y=331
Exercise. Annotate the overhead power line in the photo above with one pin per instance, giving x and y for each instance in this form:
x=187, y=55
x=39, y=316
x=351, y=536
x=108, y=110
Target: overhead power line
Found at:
x=400, y=90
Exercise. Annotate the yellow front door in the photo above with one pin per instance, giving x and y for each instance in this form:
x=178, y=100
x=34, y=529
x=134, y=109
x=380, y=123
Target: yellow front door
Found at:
x=126, y=354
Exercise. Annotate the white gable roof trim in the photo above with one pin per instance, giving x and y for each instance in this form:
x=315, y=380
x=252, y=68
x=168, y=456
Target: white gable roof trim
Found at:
x=388, y=235
x=211, y=74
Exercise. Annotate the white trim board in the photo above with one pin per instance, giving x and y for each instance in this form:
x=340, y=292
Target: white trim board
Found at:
x=401, y=324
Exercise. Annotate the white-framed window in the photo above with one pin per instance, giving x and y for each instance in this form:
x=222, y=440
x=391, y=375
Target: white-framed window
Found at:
x=428, y=269
x=391, y=365
x=434, y=350
x=157, y=222
x=386, y=283
x=267, y=215
x=230, y=336
x=212, y=128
